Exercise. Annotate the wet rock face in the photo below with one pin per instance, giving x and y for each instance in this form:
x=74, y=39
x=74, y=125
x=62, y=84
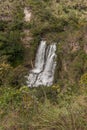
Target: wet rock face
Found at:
x=43, y=72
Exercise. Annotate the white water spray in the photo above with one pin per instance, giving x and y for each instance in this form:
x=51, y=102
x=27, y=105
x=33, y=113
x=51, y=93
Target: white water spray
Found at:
x=45, y=63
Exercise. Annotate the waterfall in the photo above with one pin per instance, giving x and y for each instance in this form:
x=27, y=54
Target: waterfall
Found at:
x=45, y=63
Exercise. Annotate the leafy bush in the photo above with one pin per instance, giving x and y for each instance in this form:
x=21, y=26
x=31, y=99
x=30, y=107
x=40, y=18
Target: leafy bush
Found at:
x=3, y=25
x=12, y=47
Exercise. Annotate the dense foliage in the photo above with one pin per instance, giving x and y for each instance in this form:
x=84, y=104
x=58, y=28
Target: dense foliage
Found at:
x=62, y=106
x=63, y=22
x=44, y=108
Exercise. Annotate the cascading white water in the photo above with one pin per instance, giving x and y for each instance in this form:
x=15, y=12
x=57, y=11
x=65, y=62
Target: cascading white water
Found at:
x=40, y=58
x=45, y=63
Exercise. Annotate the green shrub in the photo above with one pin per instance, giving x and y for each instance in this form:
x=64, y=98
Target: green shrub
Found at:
x=3, y=25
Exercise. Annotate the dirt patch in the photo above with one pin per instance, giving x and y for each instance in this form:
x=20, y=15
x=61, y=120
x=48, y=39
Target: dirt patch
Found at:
x=27, y=13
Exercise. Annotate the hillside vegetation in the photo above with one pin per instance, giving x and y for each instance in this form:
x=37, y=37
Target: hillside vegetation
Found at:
x=62, y=106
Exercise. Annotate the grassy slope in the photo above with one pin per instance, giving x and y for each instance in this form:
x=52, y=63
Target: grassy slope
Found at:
x=43, y=109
